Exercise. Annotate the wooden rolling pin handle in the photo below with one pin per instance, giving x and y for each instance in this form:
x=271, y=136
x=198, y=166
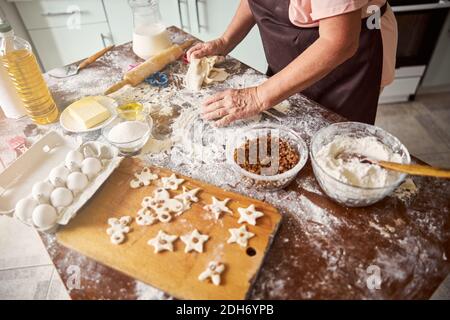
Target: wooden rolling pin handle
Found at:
x=117, y=86
x=94, y=57
x=416, y=169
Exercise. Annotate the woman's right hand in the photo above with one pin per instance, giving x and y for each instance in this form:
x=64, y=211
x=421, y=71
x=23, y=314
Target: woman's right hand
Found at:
x=217, y=47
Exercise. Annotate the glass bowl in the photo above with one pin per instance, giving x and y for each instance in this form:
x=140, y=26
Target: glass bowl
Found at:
x=342, y=192
x=260, y=181
x=139, y=127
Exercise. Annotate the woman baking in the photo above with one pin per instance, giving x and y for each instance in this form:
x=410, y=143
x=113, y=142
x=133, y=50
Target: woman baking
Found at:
x=332, y=51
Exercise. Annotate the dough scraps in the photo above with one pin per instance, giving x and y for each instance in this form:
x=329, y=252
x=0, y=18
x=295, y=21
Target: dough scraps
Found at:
x=249, y=215
x=118, y=228
x=213, y=272
x=240, y=236
x=202, y=71
x=194, y=241
x=217, y=207
x=162, y=241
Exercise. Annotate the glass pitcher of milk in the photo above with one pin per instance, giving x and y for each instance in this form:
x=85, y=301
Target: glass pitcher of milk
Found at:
x=149, y=34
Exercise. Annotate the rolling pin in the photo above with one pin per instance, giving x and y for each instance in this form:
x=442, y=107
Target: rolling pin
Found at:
x=153, y=64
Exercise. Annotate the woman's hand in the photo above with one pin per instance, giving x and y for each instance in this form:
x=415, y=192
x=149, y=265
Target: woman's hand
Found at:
x=217, y=47
x=231, y=105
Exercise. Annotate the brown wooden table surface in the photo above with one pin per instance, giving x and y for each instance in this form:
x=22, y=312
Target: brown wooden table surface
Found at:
x=322, y=250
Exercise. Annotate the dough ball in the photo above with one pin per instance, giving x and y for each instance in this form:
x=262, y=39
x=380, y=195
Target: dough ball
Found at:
x=58, y=176
x=73, y=160
x=41, y=191
x=77, y=181
x=61, y=197
x=24, y=209
x=44, y=216
x=91, y=167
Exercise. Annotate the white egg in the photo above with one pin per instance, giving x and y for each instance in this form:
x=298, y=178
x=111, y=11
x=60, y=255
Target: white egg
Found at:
x=91, y=167
x=24, y=209
x=58, y=176
x=41, y=191
x=73, y=160
x=77, y=181
x=44, y=216
x=61, y=197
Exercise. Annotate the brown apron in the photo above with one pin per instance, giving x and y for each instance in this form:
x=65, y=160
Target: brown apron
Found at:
x=352, y=89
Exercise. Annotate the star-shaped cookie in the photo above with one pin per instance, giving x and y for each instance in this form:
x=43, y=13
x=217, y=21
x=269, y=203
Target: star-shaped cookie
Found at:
x=217, y=207
x=172, y=182
x=249, y=215
x=162, y=241
x=194, y=241
x=188, y=196
x=240, y=236
x=213, y=272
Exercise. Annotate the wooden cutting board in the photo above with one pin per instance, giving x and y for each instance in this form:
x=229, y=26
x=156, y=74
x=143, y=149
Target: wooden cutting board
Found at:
x=173, y=272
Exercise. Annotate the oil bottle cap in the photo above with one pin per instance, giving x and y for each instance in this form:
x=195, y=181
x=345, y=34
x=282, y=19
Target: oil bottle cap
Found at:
x=4, y=26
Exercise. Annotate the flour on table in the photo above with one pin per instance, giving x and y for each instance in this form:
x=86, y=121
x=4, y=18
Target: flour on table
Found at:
x=406, y=190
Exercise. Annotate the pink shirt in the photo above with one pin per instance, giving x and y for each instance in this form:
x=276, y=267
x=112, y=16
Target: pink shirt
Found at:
x=308, y=13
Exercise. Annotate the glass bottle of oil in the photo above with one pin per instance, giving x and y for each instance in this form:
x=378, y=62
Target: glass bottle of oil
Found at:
x=21, y=65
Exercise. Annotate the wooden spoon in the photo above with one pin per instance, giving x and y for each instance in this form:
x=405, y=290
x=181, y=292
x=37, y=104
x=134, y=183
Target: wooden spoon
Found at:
x=413, y=169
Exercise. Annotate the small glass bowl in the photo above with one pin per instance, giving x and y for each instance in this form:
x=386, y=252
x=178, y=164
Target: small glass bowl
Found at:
x=267, y=182
x=344, y=193
x=132, y=147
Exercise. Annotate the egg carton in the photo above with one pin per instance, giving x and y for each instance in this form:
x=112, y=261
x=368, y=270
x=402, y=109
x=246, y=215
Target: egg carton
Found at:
x=46, y=186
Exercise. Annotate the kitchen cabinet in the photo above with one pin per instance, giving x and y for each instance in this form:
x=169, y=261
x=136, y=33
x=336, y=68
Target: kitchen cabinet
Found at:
x=64, y=31
x=59, y=46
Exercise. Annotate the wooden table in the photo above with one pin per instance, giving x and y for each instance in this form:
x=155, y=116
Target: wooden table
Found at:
x=322, y=250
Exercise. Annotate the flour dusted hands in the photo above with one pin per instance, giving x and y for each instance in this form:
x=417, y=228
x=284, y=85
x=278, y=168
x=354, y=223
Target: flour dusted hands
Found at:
x=230, y=105
x=217, y=47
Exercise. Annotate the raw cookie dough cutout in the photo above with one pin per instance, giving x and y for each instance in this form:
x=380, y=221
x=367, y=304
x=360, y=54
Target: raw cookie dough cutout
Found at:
x=162, y=241
x=188, y=196
x=217, y=207
x=240, y=236
x=171, y=183
x=213, y=272
x=118, y=228
x=143, y=178
x=194, y=241
x=146, y=217
x=249, y=215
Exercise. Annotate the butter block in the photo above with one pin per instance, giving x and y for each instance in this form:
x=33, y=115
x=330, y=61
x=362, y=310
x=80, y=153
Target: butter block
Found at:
x=88, y=112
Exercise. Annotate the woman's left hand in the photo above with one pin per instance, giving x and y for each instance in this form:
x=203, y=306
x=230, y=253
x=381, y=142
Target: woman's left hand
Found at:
x=228, y=106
